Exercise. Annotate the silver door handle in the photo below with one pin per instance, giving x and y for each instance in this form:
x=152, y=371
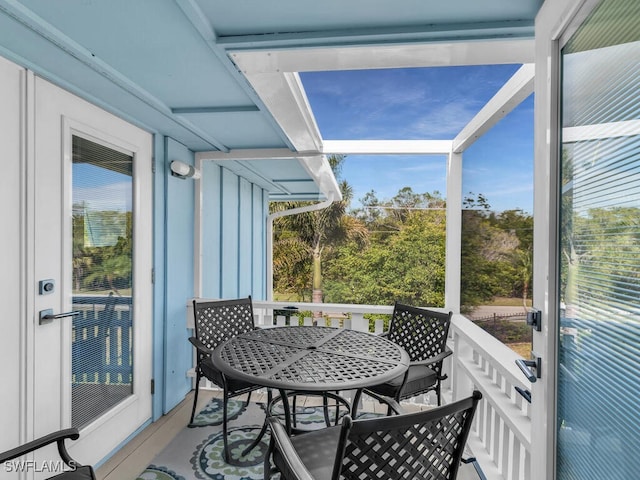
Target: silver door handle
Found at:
x=47, y=316
x=525, y=367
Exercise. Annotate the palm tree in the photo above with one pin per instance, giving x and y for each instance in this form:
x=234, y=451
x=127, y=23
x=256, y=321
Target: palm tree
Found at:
x=524, y=263
x=304, y=237
x=109, y=270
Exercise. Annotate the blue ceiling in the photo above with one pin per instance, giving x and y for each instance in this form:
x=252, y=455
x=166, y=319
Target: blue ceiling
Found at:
x=164, y=64
x=256, y=17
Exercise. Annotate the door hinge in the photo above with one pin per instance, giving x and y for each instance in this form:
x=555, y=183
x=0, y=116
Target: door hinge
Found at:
x=153, y=275
x=153, y=386
x=153, y=164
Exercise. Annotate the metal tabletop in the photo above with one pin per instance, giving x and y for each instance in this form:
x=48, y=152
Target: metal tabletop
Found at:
x=310, y=358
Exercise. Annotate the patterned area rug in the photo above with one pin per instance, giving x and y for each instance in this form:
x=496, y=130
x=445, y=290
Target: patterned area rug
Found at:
x=197, y=452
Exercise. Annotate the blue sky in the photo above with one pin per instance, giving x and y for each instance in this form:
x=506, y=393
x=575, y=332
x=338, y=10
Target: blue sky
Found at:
x=428, y=104
x=101, y=189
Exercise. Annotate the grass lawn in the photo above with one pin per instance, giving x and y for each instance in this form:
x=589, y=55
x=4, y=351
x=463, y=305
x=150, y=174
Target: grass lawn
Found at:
x=287, y=297
x=522, y=349
x=507, y=302
x=515, y=334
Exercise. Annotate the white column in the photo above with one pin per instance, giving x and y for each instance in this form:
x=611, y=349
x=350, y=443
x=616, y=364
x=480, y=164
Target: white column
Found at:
x=197, y=233
x=454, y=232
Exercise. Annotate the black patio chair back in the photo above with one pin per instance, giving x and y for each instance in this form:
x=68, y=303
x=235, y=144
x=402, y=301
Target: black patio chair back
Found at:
x=218, y=321
x=215, y=322
x=421, y=332
x=423, y=445
x=74, y=471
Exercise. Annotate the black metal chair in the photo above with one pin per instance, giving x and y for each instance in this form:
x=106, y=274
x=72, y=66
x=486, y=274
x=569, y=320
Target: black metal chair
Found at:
x=216, y=322
x=423, y=334
x=423, y=445
x=74, y=471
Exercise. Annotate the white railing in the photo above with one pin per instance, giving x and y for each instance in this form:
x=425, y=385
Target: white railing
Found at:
x=333, y=314
x=501, y=436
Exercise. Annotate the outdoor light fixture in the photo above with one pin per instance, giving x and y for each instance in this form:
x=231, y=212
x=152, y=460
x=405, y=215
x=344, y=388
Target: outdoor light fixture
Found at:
x=183, y=170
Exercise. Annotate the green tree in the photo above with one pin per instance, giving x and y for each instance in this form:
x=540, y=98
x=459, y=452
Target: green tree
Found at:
x=406, y=265
x=570, y=260
x=519, y=226
x=103, y=267
x=371, y=210
x=81, y=259
x=316, y=232
x=489, y=262
x=291, y=265
x=524, y=267
x=608, y=242
x=109, y=269
x=600, y=246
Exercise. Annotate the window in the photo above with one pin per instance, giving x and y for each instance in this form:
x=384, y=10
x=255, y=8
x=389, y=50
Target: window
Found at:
x=600, y=247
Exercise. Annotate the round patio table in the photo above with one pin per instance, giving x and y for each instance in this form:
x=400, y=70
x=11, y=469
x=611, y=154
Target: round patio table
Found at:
x=310, y=359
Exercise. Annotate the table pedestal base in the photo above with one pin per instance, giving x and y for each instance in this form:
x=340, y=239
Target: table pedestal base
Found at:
x=334, y=407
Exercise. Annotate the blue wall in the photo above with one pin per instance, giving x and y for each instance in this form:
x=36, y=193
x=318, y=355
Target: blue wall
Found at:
x=233, y=257
x=179, y=274
x=234, y=235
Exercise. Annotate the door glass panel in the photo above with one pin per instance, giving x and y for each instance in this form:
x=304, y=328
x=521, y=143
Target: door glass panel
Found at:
x=599, y=337
x=102, y=363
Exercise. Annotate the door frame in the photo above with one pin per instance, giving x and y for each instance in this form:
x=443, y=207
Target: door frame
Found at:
x=72, y=115
x=556, y=20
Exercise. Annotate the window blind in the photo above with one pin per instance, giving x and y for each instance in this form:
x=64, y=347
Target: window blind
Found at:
x=599, y=336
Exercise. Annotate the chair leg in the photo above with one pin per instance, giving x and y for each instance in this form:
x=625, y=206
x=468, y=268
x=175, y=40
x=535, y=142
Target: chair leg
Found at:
x=356, y=401
x=263, y=430
x=267, y=460
x=438, y=393
x=325, y=410
x=225, y=432
x=390, y=406
x=195, y=398
x=293, y=411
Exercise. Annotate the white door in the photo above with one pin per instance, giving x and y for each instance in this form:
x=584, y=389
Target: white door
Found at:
x=599, y=277
x=585, y=407
x=92, y=257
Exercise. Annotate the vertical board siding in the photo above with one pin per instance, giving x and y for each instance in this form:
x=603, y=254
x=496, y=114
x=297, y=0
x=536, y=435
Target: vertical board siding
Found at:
x=258, y=243
x=233, y=229
x=179, y=281
x=211, y=230
x=244, y=241
x=230, y=228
